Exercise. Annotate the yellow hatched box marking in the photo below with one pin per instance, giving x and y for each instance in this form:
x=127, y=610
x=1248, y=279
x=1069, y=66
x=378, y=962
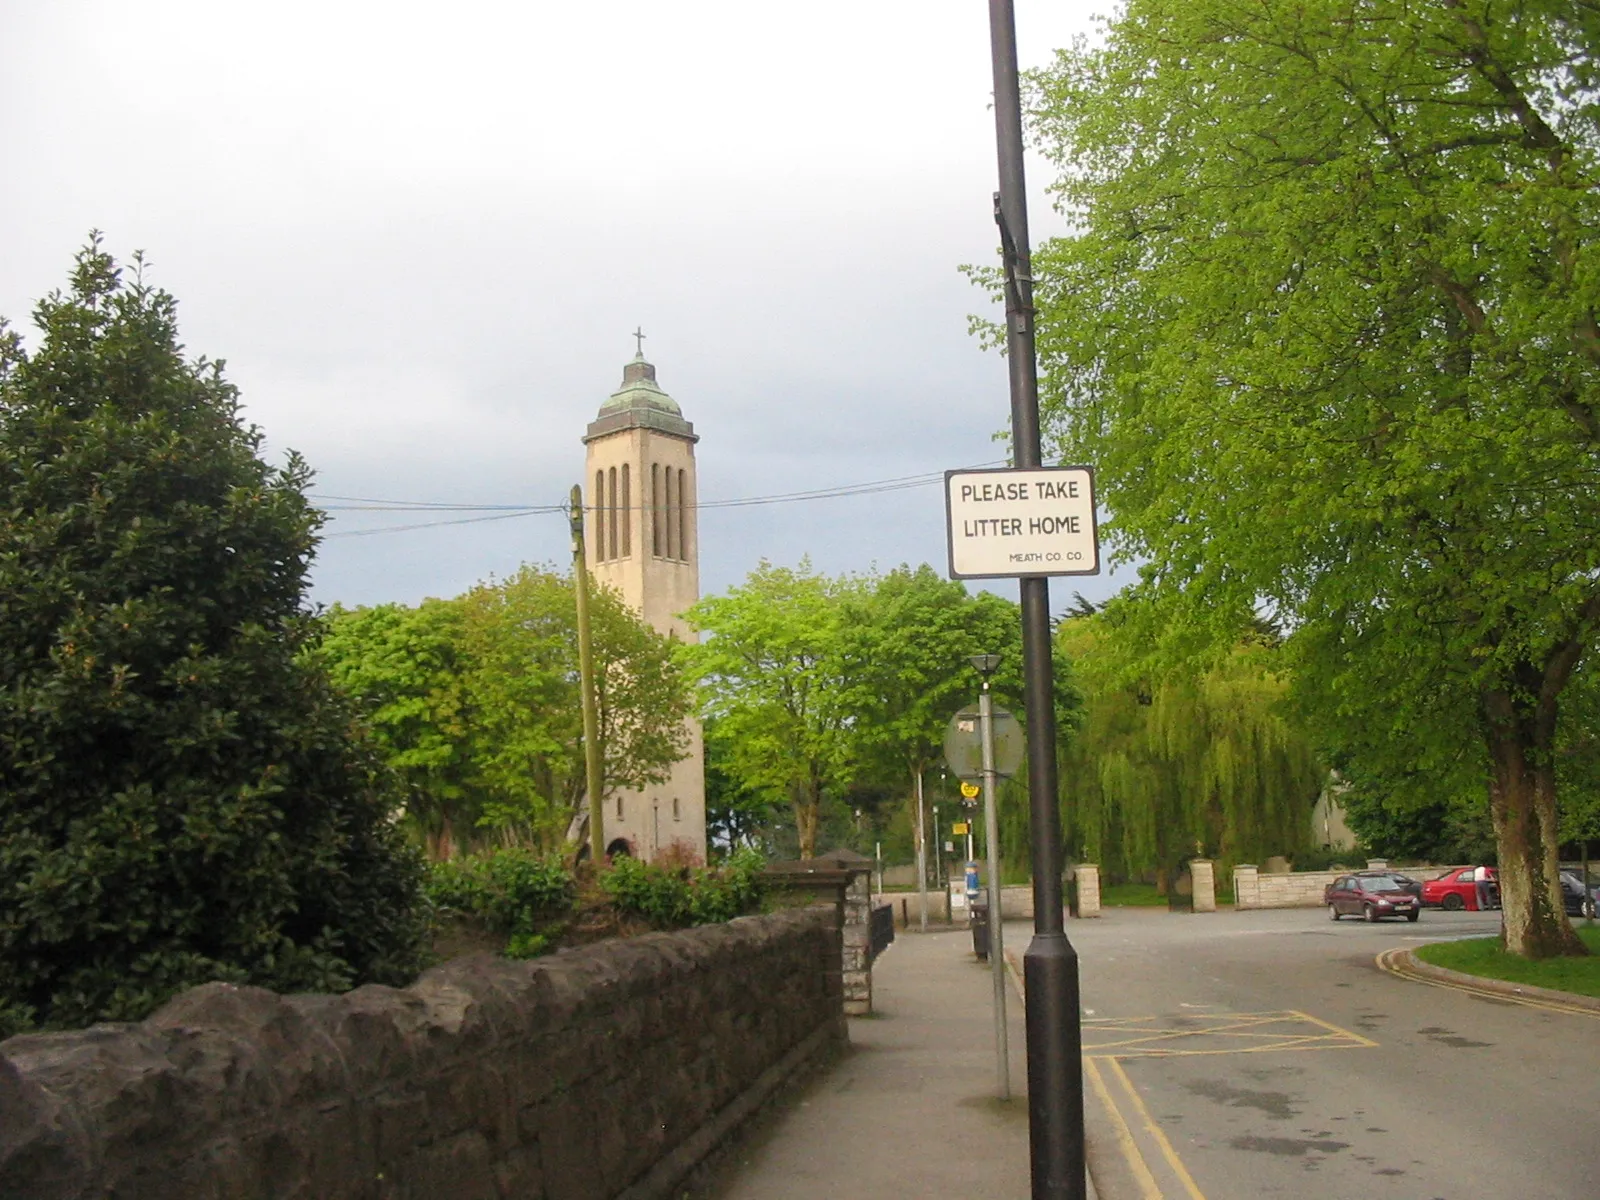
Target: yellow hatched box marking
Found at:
x=1218, y=1033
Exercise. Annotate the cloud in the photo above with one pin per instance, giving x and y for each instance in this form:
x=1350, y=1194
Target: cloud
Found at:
x=419, y=235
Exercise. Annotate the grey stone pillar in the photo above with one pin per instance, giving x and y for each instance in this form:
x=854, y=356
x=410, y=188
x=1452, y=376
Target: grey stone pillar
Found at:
x=844, y=877
x=1203, y=874
x=1246, y=886
x=857, y=952
x=1088, y=875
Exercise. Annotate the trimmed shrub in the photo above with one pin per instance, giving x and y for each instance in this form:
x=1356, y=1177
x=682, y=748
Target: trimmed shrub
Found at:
x=514, y=892
x=674, y=898
x=183, y=796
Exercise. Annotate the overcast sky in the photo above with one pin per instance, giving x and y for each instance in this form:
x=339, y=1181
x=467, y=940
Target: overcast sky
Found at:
x=421, y=236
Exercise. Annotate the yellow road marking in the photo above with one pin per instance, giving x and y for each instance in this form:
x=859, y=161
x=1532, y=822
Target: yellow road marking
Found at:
x=1239, y=1026
x=1125, y=1142
x=1014, y=969
x=1170, y=1154
x=1333, y=1029
x=1390, y=962
x=1241, y=1033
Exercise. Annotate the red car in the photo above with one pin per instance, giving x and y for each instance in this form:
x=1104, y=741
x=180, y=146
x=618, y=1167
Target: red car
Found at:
x=1457, y=889
x=1371, y=896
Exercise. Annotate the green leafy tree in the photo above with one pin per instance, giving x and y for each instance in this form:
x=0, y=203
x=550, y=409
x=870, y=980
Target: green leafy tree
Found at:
x=1170, y=763
x=183, y=796
x=911, y=636
x=521, y=647
x=406, y=665
x=1327, y=327
x=519, y=673
x=1435, y=810
x=737, y=816
x=775, y=686
x=1439, y=830
x=475, y=702
x=1578, y=762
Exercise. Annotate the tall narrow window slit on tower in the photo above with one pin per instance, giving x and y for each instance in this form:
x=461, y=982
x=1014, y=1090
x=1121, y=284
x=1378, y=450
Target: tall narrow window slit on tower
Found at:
x=671, y=550
x=611, y=513
x=655, y=509
x=683, y=520
x=627, y=514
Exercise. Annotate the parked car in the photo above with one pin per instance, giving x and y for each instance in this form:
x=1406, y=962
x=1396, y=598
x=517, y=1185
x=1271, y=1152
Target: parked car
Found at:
x=1579, y=901
x=1407, y=884
x=1371, y=895
x=1457, y=889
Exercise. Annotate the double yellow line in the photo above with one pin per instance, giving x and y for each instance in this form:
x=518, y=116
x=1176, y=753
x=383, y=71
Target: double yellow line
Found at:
x=1397, y=962
x=1126, y=1142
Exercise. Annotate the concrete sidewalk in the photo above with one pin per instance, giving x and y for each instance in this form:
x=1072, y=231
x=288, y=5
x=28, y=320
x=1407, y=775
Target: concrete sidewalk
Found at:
x=910, y=1112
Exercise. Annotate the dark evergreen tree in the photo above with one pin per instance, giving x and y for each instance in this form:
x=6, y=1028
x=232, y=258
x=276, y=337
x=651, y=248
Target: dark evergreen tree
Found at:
x=183, y=797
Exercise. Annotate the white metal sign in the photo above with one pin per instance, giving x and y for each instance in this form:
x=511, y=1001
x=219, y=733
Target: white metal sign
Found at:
x=1010, y=522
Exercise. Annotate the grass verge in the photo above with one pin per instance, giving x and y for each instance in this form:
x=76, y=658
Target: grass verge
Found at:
x=1144, y=895
x=1113, y=895
x=1483, y=956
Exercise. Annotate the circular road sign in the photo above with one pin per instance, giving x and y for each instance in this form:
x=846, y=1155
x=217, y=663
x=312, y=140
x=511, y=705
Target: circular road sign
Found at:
x=963, y=744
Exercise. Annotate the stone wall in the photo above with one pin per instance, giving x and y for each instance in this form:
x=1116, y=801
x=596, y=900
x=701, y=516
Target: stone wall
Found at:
x=1016, y=901
x=1253, y=888
x=1016, y=904
x=605, y=1071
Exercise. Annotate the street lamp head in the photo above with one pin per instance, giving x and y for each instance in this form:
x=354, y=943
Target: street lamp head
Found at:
x=986, y=664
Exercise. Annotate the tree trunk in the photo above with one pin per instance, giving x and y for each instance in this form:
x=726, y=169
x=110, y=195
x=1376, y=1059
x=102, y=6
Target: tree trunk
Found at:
x=1522, y=801
x=440, y=844
x=807, y=803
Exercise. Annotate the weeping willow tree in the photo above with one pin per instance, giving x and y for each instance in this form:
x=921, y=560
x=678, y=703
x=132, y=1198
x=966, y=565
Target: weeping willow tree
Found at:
x=1200, y=761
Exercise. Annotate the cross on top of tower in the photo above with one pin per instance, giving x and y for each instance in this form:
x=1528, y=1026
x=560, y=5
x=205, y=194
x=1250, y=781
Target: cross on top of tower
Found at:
x=638, y=337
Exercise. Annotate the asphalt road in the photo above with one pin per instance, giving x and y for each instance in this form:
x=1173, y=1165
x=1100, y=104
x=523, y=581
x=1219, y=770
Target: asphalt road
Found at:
x=1266, y=1054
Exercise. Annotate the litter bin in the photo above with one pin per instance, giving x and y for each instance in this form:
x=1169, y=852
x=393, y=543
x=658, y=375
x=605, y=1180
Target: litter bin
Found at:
x=980, y=927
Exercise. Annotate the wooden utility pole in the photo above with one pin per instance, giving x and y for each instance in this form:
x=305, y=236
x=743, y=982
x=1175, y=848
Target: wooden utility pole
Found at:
x=591, y=722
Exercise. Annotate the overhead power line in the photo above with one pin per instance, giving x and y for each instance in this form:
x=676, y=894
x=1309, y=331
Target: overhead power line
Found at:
x=371, y=505
x=344, y=533
x=501, y=512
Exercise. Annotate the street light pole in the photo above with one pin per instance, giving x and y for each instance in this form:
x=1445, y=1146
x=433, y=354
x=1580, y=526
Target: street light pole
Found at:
x=986, y=664
x=922, y=859
x=1050, y=966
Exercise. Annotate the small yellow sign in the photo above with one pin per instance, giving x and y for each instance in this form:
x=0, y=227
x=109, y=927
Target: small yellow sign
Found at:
x=969, y=790
x=959, y=828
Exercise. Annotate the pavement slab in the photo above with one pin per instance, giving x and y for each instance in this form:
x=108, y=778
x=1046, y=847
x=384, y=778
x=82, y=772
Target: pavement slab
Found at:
x=911, y=1111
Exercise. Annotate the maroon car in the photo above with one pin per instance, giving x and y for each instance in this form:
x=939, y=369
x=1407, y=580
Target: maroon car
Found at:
x=1371, y=896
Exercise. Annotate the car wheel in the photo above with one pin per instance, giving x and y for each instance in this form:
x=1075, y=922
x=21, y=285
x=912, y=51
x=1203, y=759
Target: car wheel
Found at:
x=1452, y=903
x=1412, y=916
x=1372, y=914
x=1333, y=912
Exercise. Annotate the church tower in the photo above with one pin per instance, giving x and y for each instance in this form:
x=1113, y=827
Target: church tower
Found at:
x=640, y=521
